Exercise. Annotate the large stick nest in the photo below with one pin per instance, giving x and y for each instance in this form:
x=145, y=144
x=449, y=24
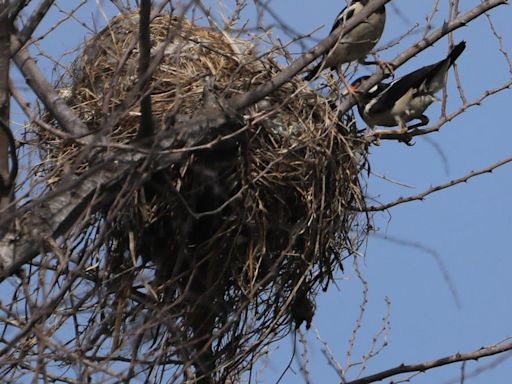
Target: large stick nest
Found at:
x=231, y=244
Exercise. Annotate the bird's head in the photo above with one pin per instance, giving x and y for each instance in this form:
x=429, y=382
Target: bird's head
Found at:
x=354, y=87
x=366, y=2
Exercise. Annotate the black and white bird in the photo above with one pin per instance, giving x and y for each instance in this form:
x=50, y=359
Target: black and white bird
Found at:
x=405, y=99
x=355, y=44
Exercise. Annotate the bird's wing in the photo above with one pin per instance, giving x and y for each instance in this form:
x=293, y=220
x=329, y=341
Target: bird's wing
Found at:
x=374, y=92
x=389, y=96
x=345, y=14
x=426, y=80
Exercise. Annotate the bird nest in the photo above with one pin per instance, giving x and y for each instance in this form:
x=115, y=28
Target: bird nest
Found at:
x=231, y=244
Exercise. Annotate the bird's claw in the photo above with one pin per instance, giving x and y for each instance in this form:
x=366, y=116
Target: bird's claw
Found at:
x=387, y=68
x=406, y=139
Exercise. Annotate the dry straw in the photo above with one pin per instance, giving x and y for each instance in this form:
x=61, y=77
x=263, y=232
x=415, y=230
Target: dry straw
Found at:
x=223, y=252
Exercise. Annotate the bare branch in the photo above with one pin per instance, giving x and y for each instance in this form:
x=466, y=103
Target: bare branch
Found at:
x=7, y=145
x=422, y=367
x=44, y=90
x=421, y=196
x=33, y=21
x=146, y=128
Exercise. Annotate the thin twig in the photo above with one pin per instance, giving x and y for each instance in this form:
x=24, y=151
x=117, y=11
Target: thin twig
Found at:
x=421, y=196
x=422, y=367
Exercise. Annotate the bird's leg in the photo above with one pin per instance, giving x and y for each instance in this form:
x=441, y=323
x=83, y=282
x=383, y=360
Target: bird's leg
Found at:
x=424, y=120
x=406, y=138
x=401, y=124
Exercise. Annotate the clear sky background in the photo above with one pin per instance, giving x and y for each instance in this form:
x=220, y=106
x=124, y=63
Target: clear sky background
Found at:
x=468, y=227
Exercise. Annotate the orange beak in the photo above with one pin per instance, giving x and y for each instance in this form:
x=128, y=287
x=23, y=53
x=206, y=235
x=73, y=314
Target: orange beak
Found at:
x=350, y=90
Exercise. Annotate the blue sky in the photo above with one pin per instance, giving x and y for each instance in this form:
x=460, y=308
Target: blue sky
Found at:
x=468, y=227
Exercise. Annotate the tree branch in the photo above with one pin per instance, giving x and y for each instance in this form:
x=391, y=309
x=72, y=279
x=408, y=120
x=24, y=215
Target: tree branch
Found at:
x=6, y=139
x=146, y=128
x=421, y=196
x=33, y=21
x=458, y=357
x=16, y=6
x=66, y=118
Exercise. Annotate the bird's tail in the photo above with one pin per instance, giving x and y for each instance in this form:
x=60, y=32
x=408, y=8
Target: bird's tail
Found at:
x=438, y=73
x=456, y=52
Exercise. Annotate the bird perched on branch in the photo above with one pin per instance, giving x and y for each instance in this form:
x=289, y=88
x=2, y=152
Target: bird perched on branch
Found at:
x=355, y=44
x=405, y=99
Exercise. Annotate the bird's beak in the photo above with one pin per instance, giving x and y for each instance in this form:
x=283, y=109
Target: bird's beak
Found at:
x=350, y=90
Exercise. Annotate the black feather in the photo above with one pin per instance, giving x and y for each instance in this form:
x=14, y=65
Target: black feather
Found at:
x=342, y=18
x=399, y=88
x=414, y=80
